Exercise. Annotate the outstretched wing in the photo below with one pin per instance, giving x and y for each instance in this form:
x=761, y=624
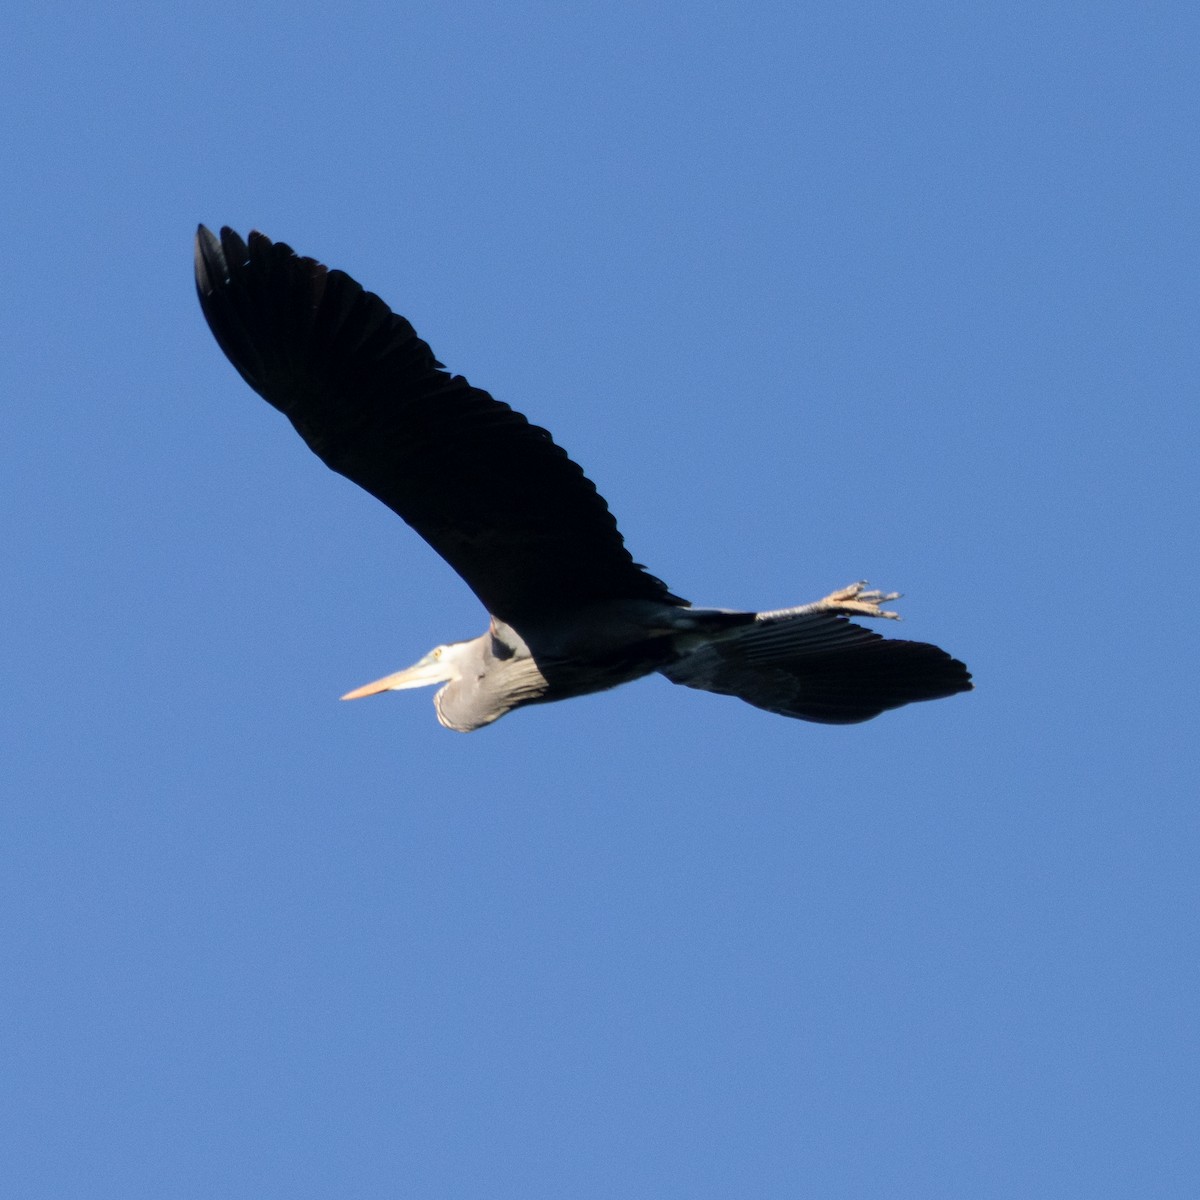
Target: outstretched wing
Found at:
x=491, y=493
x=820, y=667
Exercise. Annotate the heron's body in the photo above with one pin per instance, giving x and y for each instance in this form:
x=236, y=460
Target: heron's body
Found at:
x=571, y=612
x=499, y=671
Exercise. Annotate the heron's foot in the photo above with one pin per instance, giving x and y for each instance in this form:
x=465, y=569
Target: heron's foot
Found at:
x=854, y=599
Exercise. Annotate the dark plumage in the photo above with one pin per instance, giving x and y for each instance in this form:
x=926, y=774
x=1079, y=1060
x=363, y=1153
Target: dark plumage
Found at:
x=520, y=522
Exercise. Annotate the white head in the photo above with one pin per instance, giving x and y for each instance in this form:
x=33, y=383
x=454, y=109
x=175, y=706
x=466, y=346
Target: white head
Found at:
x=440, y=665
x=479, y=686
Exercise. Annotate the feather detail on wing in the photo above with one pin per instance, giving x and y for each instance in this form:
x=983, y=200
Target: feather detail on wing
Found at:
x=820, y=667
x=490, y=492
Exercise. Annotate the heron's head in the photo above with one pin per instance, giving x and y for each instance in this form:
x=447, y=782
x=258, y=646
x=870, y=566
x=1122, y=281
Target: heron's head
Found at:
x=440, y=665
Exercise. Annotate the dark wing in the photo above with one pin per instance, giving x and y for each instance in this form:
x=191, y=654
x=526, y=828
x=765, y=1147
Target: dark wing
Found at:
x=820, y=667
x=491, y=493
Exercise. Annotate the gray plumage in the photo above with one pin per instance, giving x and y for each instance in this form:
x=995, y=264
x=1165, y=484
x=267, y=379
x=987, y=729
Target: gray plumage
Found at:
x=571, y=612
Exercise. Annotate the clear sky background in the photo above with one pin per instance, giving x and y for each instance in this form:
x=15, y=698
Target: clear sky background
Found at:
x=814, y=292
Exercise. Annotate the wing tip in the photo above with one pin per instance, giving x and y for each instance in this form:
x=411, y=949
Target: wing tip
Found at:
x=209, y=260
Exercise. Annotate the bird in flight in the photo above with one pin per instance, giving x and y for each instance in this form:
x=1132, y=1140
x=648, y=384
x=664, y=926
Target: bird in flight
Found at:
x=501, y=502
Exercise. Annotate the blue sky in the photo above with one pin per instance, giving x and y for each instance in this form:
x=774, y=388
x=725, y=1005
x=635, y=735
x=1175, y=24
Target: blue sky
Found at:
x=814, y=293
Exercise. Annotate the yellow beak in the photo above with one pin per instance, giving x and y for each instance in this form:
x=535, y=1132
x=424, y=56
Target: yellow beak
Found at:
x=373, y=689
x=431, y=669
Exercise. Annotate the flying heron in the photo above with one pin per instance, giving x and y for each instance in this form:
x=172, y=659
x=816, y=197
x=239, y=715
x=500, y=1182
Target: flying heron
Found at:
x=571, y=612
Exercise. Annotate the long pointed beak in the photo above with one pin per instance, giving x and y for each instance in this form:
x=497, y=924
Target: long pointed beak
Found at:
x=428, y=670
x=372, y=689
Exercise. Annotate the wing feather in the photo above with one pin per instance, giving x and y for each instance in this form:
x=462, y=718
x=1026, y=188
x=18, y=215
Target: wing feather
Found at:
x=820, y=667
x=490, y=492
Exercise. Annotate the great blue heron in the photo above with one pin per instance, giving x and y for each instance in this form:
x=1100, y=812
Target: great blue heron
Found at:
x=571, y=612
